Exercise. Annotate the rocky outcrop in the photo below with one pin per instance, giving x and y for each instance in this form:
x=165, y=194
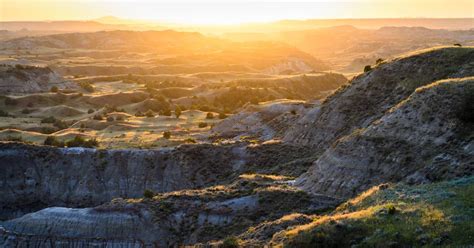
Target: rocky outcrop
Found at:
x=425, y=138
x=30, y=79
x=371, y=94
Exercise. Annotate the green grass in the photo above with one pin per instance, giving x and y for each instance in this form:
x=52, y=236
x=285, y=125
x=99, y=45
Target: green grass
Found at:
x=440, y=214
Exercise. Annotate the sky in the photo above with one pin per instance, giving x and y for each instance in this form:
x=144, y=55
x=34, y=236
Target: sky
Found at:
x=230, y=11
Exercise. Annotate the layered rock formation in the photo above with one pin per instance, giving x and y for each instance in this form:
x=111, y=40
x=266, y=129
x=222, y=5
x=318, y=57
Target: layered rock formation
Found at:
x=30, y=79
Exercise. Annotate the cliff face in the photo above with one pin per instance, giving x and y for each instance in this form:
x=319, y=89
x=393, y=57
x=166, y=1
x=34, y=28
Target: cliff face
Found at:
x=36, y=177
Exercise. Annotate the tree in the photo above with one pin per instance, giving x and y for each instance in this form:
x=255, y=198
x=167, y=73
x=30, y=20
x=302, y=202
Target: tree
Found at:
x=148, y=194
x=177, y=111
x=378, y=61
x=202, y=124
x=222, y=115
x=54, y=89
x=210, y=115
x=150, y=113
x=367, y=68
x=167, y=134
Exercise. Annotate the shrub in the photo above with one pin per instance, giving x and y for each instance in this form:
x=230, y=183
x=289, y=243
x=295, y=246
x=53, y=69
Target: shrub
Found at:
x=222, y=115
x=98, y=117
x=110, y=118
x=90, y=111
x=202, y=124
x=50, y=119
x=367, y=68
x=54, y=89
x=87, y=86
x=230, y=242
x=79, y=141
x=190, y=140
x=139, y=114
x=210, y=115
x=150, y=113
x=293, y=112
x=148, y=194
x=166, y=112
x=177, y=112
x=52, y=141
x=379, y=61
x=119, y=118
x=167, y=134
x=458, y=45
x=60, y=124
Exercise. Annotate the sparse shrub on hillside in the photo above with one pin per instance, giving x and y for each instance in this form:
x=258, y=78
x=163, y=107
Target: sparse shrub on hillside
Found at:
x=54, y=89
x=139, y=114
x=166, y=112
x=379, y=61
x=79, y=141
x=293, y=112
x=119, y=118
x=98, y=117
x=222, y=115
x=60, y=124
x=110, y=118
x=53, y=141
x=230, y=242
x=11, y=101
x=14, y=138
x=50, y=119
x=209, y=115
x=177, y=112
x=367, y=68
x=190, y=140
x=202, y=124
x=90, y=111
x=150, y=113
x=148, y=194
x=458, y=45
x=87, y=86
x=167, y=134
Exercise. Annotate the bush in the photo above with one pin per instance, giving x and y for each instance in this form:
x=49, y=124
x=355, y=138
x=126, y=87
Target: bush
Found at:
x=60, y=124
x=177, y=112
x=79, y=141
x=230, y=242
x=148, y=194
x=119, y=118
x=52, y=141
x=90, y=111
x=54, y=89
x=190, y=140
x=50, y=119
x=202, y=124
x=210, y=115
x=150, y=113
x=167, y=134
x=379, y=61
x=98, y=117
x=110, y=118
x=87, y=87
x=293, y=112
x=166, y=112
x=367, y=68
x=222, y=115
x=139, y=114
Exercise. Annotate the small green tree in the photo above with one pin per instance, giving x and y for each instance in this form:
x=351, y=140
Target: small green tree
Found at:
x=367, y=68
x=177, y=112
x=167, y=134
x=148, y=194
x=209, y=115
x=150, y=113
x=230, y=242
